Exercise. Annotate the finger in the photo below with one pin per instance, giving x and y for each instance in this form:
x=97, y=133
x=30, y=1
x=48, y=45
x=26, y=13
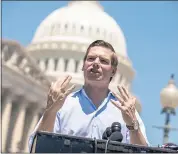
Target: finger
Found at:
x=69, y=90
x=117, y=104
x=56, y=83
x=134, y=100
x=119, y=98
x=122, y=93
x=126, y=92
x=66, y=82
x=50, y=88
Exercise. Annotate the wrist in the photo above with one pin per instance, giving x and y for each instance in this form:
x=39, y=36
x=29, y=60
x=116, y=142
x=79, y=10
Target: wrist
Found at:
x=49, y=113
x=134, y=126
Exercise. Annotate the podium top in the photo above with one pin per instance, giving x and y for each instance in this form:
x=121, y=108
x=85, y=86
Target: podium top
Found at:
x=55, y=143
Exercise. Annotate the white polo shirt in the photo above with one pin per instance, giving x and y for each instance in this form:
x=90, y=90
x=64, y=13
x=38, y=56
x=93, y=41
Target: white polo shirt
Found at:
x=79, y=117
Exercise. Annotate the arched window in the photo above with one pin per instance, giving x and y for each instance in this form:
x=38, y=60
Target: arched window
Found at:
x=104, y=34
x=66, y=64
x=65, y=26
x=82, y=28
x=46, y=63
x=76, y=65
x=55, y=63
x=97, y=30
x=52, y=29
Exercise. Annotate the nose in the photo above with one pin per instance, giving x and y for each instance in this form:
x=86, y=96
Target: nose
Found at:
x=96, y=62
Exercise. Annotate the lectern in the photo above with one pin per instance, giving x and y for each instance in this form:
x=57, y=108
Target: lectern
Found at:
x=45, y=142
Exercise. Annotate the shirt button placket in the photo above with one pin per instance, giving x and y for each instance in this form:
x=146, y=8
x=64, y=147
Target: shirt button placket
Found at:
x=94, y=127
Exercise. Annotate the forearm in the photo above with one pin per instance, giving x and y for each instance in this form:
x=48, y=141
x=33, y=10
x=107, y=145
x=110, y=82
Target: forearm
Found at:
x=47, y=122
x=136, y=137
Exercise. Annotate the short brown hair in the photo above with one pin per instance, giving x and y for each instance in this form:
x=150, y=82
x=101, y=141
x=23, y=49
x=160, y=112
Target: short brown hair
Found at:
x=102, y=43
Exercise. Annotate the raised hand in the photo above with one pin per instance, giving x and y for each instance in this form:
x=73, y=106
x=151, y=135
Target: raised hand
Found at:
x=58, y=93
x=126, y=103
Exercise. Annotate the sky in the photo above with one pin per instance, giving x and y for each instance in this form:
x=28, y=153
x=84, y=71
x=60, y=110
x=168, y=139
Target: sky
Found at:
x=151, y=32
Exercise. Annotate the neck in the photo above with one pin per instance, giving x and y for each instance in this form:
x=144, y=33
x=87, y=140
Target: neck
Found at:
x=96, y=94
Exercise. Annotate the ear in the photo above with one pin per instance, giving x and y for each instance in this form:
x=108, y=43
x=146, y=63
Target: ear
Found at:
x=114, y=71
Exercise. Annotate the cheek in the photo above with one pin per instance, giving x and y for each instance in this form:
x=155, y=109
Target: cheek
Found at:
x=85, y=65
x=107, y=70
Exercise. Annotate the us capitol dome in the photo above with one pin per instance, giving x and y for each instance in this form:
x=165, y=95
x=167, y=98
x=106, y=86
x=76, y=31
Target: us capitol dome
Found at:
x=56, y=50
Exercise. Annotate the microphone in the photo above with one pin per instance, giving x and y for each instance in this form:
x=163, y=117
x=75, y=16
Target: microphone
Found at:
x=116, y=136
x=107, y=133
x=113, y=133
x=116, y=127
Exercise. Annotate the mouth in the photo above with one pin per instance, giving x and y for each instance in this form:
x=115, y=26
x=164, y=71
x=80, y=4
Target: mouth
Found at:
x=94, y=71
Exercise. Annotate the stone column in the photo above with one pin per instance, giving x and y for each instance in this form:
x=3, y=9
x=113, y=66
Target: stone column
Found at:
x=17, y=105
x=4, y=52
x=19, y=125
x=60, y=65
x=31, y=119
x=79, y=69
x=7, y=99
x=71, y=65
x=51, y=65
x=42, y=64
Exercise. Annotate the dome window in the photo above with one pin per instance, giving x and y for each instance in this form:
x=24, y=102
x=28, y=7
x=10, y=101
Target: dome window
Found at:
x=66, y=26
x=46, y=63
x=52, y=29
x=55, y=62
x=76, y=65
x=66, y=64
x=82, y=28
x=98, y=31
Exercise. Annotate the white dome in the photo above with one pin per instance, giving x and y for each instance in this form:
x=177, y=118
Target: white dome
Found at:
x=81, y=22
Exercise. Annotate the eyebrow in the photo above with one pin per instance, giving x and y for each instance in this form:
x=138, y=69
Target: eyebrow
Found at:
x=101, y=56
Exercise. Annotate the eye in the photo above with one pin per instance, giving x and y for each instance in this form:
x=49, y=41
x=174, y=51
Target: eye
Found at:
x=103, y=61
x=90, y=58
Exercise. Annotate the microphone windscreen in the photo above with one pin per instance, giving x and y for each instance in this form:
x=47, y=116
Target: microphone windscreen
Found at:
x=116, y=136
x=107, y=133
x=116, y=126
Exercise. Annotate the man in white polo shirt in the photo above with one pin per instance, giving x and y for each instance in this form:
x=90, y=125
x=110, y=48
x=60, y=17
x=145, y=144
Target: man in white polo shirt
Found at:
x=90, y=110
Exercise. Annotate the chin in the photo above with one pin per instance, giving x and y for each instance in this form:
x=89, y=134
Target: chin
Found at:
x=98, y=82
x=95, y=79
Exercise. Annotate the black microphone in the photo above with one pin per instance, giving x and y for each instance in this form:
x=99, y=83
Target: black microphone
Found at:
x=116, y=136
x=116, y=127
x=113, y=133
x=107, y=133
x=116, y=132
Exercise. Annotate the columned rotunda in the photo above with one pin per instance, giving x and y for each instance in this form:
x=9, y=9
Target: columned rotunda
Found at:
x=56, y=50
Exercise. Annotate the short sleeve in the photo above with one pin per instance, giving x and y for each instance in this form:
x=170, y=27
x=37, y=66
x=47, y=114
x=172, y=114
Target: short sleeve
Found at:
x=57, y=124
